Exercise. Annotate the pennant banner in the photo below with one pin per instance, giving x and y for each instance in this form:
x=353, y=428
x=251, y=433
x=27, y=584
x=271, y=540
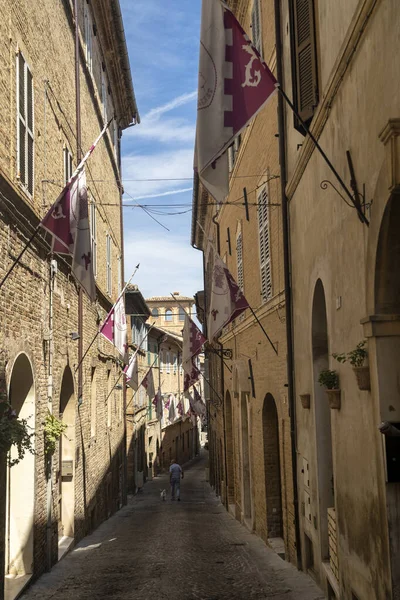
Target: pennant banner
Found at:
x=227, y=301
x=234, y=84
x=193, y=341
x=114, y=327
x=131, y=371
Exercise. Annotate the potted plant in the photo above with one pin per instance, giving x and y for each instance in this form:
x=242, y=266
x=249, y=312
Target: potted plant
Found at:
x=14, y=432
x=357, y=358
x=330, y=380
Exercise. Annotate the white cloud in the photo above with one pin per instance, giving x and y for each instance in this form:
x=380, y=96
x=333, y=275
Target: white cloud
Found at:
x=155, y=113
x=168, y=264
x=165, y=131
x=168, y=165
x=170, y=193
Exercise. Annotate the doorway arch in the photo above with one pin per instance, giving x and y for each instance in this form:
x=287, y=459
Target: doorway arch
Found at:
x=320, y=354
x=21, y=477
x=230, y=476
x=272, y=469
x=66, y=512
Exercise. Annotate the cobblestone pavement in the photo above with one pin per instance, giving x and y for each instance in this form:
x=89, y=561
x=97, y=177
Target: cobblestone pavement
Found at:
x=188, y=550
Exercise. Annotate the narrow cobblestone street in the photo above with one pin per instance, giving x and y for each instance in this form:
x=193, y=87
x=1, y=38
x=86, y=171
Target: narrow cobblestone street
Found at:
x=174, y=551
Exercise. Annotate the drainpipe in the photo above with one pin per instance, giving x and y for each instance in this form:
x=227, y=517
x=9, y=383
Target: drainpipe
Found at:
x=288, y=292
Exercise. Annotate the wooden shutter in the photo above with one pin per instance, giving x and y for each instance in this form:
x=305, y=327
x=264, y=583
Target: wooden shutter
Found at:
x=25, y=124
x=264, y=241
x=239, y=260
x=306, y=78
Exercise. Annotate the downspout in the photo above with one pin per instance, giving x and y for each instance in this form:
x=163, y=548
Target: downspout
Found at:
x=288, y=291
x=50, y=390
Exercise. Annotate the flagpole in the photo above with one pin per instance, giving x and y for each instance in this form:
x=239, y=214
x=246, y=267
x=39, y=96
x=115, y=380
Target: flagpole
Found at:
x=115, y=383
x=147, y=372
x=361, y=215
x=36, y=231
x=96, y=336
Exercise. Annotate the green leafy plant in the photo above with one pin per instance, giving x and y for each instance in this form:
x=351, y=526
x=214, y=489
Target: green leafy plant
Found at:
x=355, y=357
x=14, y=432
x=329, y=379
x=53, y=429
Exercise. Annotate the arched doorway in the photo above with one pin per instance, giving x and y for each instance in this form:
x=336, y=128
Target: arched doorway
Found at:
x=320, y=355
x=272, y=468
x=246, y=479
x=230, y=483
x=386, y=338
x=21, y=477
x=66, y=499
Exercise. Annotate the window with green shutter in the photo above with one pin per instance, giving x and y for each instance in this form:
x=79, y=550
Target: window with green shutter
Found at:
x=304, y=59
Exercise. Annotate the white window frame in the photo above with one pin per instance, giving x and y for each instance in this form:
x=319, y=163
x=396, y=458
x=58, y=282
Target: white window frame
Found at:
x=168, y=361
x=116, y=139
x=23, y=122
x=239, y=260
x=264, y=245
x=104, y=88
x=169, y=314
x=88, y=36
x=175, y=362
x=256, y=30
x=68, y=166
x=108, y=264
x=93, y=234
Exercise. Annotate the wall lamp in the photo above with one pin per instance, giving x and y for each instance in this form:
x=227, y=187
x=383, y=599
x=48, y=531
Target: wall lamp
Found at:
x=74, y=336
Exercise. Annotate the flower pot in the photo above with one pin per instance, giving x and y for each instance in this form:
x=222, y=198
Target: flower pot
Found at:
x=363, y=377
x=305, y=400
x=333, y=398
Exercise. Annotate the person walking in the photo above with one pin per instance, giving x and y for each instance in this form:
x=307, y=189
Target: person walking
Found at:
x=175, y=475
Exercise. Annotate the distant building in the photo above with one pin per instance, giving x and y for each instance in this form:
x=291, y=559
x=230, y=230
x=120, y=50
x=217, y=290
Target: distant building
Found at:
x=168, y=312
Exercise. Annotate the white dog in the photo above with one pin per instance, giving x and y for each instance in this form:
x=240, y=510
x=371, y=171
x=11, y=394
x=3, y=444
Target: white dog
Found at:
x=163, y=495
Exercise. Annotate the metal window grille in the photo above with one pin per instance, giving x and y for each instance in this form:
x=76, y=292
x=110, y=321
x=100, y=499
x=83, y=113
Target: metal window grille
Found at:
x=256, y=26
x=239, y=261
x=88, y=37
x=108, y=264
x=93, y=235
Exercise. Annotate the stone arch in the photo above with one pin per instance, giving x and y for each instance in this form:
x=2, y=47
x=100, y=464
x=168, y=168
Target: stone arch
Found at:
x=230, y=476
x=21, y=477
x=272, y=469
x=66, y=513
x=320, y=354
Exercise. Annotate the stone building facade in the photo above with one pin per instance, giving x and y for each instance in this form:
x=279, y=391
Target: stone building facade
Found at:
x=248, y=422
x=44, y=326
x=345, y=285
x=168, y=312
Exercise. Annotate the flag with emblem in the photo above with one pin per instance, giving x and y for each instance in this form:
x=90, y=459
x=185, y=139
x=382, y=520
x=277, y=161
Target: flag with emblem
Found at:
x=114, y=327
x=227, y=300
x=131, y=372
x=148, y=383
x=234, y=84
x=193, y=341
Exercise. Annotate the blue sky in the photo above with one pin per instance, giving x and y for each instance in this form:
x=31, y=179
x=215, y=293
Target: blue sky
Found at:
x=163, y=44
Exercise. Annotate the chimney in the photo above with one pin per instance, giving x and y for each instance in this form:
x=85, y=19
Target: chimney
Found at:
x=176, y=293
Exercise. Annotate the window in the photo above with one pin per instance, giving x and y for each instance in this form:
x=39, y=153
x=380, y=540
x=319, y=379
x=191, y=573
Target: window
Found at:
x=104, y=94
x=168, y=315
x=88, y=37
x=93, y=235
x=25, y=145
x=233, y=151
x=175, y=361
x=67, y=165
x=239, y=260
x=256, y=26
x=168, y=369
x=93, y=400
x=265, y=253
x=154, y=312
x=119, y=274
x=181, y=313
x=108, y=264
x=304, y=59
x=116, y=138
x=108, y=401
x=161, y=361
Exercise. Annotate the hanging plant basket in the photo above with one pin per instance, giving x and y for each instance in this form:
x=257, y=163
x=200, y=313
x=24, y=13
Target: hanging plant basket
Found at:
x=363, y=377
x=333, y=398
x=305, y=400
